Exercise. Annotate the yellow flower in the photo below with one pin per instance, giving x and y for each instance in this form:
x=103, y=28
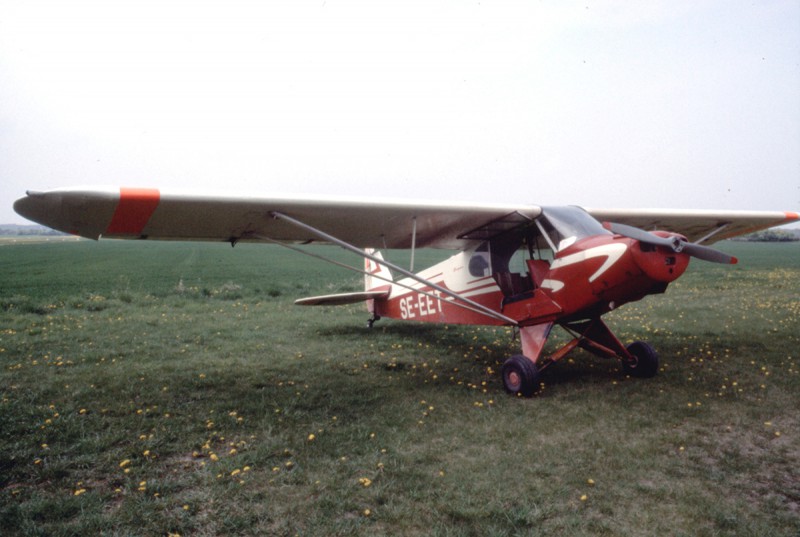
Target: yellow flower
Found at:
x=365, y=481
x=124, y=463
x=311, y=437
x=79, y=492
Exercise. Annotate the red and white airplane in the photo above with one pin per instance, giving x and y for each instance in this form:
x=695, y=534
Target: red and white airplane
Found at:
x=524, y=266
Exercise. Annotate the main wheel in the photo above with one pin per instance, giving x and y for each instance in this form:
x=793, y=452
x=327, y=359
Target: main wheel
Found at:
x=646, y=363
x=520, y=376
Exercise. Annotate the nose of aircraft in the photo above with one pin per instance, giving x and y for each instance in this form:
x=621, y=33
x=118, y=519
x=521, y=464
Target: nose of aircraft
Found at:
x=659, y=263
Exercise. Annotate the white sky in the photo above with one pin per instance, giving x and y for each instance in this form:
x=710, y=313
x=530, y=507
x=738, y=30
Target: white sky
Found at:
x=691, y=104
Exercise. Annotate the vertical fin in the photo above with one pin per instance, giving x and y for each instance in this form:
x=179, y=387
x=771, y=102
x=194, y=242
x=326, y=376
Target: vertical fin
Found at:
x=378, y=269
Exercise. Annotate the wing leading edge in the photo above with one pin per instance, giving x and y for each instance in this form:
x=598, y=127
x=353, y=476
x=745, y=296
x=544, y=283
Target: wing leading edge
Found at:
x=139, y=213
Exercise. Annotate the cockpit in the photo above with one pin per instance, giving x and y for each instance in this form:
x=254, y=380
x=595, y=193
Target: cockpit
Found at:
x=518, y=258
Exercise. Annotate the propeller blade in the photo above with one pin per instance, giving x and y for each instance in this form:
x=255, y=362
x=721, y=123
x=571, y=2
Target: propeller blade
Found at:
x=639, y=235
x=708, y=254
x=676, y=244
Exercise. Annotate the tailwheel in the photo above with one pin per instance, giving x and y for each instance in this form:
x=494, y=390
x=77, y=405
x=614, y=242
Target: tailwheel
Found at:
x=645, y=363
x=520, y=376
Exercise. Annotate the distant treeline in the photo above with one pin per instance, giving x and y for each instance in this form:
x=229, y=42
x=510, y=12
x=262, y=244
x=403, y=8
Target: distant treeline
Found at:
x=14, y=230
x=771, y=235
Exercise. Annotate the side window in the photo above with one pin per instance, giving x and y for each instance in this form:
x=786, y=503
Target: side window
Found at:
x=480, y=264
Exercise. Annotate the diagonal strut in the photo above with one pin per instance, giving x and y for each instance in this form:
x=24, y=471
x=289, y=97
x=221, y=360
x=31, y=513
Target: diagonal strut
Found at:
x=347, y=246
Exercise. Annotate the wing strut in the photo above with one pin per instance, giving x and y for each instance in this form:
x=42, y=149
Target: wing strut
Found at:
x=360, y=271
x=347, y=246
x=714, y=232
x=413, y=242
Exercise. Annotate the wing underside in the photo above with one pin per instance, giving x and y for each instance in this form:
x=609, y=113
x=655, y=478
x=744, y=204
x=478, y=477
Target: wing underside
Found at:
x=143, y=213
x=706, y=227
x=154, y=214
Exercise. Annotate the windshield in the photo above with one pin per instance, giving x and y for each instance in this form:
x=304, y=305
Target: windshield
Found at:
x=570, y=224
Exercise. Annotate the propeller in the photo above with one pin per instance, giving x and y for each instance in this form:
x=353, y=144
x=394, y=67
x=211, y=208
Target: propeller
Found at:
x=675, y=243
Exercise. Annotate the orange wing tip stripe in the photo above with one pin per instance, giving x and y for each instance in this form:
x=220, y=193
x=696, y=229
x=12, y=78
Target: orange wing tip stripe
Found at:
x=792, y=216
x=135, y=207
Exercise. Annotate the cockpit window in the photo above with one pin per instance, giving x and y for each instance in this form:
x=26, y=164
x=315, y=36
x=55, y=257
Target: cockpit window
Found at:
x=480, y=264
x=566, y=225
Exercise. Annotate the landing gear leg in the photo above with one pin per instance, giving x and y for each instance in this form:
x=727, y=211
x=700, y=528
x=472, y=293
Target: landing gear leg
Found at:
x=372, y=319
x=639, y=359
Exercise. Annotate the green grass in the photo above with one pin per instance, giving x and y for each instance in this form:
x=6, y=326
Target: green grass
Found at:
x=157, y=388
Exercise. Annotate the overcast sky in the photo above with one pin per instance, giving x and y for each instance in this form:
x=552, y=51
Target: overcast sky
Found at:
x=690, y=104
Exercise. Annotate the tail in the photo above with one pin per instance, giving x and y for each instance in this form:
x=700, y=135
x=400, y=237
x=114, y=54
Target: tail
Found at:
x=377, y=275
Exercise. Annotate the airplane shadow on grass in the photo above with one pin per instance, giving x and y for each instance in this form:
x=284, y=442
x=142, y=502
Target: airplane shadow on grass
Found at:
x=455, y=345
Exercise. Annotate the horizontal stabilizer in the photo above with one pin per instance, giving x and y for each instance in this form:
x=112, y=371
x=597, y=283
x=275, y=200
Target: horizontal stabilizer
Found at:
x=341, y=299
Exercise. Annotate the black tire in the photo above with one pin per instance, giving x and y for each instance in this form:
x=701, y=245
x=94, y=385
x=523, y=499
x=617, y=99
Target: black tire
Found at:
x=646, y=363
x=520, y=376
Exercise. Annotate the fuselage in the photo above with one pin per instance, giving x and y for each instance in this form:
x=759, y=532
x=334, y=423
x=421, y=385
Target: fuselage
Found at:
x=587, y=277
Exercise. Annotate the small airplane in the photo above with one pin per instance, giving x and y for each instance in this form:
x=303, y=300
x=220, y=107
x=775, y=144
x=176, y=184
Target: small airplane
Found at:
x=523, y=266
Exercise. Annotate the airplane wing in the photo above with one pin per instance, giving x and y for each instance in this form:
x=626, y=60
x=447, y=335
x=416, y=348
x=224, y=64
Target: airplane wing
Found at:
x=137, y=213
x=706, y=227
x=145, y=213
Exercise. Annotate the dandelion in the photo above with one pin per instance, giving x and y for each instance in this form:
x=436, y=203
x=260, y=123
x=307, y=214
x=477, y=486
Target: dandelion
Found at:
x=311, y=437
x=365, y=481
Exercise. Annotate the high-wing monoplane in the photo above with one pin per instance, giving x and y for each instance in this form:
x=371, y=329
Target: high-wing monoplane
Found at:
x=524, y=266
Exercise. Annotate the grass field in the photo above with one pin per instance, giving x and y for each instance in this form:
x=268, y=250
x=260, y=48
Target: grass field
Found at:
x=173, y=388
